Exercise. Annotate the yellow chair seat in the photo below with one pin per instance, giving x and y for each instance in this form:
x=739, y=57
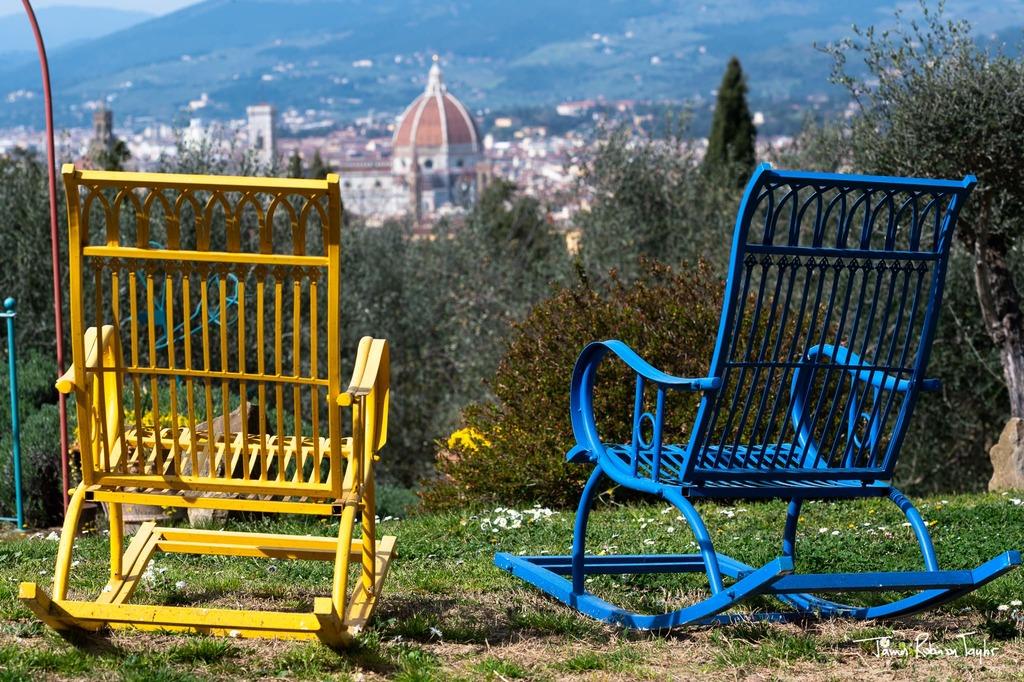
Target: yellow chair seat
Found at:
x=256, y=449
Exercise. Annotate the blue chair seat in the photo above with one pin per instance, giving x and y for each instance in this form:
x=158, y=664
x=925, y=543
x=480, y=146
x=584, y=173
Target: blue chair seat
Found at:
x=746, y=458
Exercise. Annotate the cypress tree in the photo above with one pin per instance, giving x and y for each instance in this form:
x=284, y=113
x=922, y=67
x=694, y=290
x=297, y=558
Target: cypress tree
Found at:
x=318, y=169
x=295, y=165
x=731, y=142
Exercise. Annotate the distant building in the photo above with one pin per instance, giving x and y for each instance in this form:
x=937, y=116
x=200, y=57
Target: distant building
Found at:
x=262, y=126
x=435, y=164
x=102, y=141
x=105, y=150
x=577, y=108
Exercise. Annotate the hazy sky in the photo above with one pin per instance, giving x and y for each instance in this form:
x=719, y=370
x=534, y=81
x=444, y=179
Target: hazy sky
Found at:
x=155, y=6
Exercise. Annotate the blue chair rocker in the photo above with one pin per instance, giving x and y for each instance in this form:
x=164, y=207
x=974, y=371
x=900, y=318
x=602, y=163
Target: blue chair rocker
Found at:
x=834, y=288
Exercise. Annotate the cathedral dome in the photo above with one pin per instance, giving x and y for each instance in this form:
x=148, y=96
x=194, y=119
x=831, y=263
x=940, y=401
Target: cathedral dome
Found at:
x=436, y=119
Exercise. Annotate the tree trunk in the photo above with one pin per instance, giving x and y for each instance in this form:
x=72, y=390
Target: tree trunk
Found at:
x=1000, y=303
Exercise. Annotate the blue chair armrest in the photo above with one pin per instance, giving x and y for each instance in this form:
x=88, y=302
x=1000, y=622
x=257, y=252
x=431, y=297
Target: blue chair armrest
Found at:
x=588, y=442
x=655, y=375
x=852, y=363
x=877, y=378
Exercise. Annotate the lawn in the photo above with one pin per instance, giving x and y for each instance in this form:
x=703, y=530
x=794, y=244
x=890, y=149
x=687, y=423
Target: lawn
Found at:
x=447, y=613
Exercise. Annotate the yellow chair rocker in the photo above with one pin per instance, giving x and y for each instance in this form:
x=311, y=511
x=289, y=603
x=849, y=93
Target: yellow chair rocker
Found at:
x=206, y=374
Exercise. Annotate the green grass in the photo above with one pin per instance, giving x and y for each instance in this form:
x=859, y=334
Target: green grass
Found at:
x=496, y=668
x=764, y=647
x=447, y=612
x=203, y=650
x=623, y=659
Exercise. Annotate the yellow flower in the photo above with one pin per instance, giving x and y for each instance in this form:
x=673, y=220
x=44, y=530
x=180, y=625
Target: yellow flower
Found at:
x=468, y=438
x=149, y=421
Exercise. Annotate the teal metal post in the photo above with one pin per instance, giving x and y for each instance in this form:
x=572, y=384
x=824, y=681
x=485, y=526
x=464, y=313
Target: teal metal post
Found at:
x=10, y=314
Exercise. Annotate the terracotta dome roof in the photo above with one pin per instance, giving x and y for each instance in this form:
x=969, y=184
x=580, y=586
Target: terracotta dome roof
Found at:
x=436, y=118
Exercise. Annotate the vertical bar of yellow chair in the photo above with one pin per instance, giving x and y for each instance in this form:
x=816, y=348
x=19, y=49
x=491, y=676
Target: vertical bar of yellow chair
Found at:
x=210, y=281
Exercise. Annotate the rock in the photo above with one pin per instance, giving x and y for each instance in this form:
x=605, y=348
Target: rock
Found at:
x=1008, y=458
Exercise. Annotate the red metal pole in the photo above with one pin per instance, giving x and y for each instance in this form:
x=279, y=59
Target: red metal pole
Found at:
x=51, y=168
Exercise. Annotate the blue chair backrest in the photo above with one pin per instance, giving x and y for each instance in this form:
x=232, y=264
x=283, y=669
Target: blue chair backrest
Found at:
x=834, y=288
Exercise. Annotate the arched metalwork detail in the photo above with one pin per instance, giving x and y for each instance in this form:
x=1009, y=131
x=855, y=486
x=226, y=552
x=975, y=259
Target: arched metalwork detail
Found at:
x=94, y=194
x=141, y=216
x=170, y=216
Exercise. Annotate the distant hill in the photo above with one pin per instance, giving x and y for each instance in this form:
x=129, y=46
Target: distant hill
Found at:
x=62, y=25
x=348, y=56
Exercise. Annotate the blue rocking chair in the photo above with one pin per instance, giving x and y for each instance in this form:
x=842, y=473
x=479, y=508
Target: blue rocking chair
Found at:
x=834, y=288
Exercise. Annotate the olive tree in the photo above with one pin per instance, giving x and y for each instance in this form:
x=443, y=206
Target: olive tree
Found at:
x=934, y=102
x=651, y=198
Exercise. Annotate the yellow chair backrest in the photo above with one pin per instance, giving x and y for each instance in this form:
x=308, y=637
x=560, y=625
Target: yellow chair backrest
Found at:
x=214, y=295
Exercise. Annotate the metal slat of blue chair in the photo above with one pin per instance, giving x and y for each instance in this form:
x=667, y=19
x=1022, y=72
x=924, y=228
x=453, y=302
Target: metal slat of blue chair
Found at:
x=834, y=289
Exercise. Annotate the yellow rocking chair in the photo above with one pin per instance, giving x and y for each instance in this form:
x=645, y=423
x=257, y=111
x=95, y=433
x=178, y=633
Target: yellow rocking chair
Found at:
x=206, y=373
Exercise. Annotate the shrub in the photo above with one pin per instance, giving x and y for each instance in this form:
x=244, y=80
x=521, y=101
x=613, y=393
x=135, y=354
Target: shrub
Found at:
x=40, y=442
x=394, y=500
x=516, y=455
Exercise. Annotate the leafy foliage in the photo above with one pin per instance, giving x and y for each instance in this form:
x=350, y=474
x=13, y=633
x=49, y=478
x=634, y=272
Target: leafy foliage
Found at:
x=951, y=432
x=111, y=158
x=667, y=315
x=40, y=442
x=649, y=198
x=934, y=102
x=25, y=244
x=445, y=305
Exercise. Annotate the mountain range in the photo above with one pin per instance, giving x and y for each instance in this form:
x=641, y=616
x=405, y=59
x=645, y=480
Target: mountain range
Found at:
x=62, y=26
x=346, y=57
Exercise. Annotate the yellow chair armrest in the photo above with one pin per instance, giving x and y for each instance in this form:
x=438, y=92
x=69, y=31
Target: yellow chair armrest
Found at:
x=371, y=378
x=67, y=381
x=94, y=353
